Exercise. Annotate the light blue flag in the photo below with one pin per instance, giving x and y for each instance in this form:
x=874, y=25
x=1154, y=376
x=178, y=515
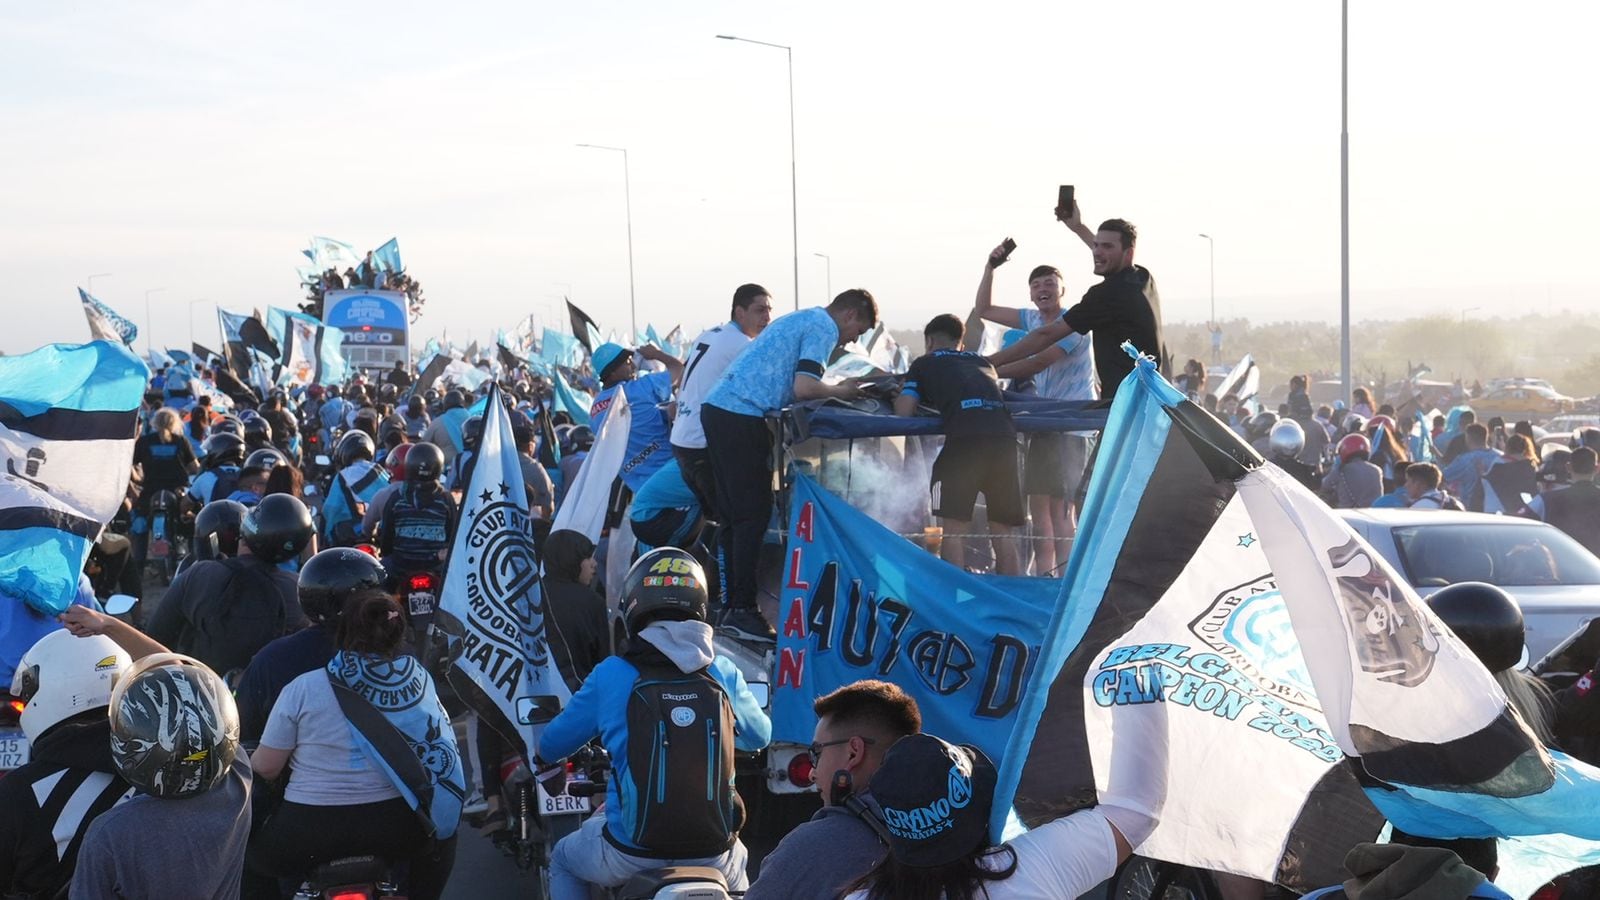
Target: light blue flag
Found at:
x=327, y=253
x=69, y=414
x=104, y=323
x=574, y=402
x=561, y=349
x=387, y=257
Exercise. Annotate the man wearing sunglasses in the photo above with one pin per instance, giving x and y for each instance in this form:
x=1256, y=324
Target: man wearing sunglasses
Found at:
x=856, y=725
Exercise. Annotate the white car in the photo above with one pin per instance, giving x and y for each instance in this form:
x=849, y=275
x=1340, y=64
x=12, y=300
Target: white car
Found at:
x=1553, y=578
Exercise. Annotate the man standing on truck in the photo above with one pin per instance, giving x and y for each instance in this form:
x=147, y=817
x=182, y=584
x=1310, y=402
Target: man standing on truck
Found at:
x=980, y=443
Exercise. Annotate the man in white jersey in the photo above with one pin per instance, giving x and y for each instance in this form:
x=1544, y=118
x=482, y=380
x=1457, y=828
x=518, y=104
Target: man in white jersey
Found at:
x=709, y=357
x=1064, y=371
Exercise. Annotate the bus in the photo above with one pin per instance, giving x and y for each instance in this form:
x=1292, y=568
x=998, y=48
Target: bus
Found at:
x=376, y=326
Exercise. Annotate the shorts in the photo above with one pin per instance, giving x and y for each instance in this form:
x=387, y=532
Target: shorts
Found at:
x=975, y=464
x=1055, y=464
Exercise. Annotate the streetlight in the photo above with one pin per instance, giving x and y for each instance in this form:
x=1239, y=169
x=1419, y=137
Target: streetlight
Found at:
x=1213, y=247
x=191, y=320
x=627, y=196
x=88, y=287
x=794, y=188
x=147, y=337
x=829, y=261
x=1470, y=309
x=1344, y=199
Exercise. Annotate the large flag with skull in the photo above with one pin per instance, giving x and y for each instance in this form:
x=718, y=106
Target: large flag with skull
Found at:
x=491, y=618
x=1230, y=656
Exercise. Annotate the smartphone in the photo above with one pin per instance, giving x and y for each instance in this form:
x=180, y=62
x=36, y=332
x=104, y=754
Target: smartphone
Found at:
x=1064, y=198
x=1005, y=253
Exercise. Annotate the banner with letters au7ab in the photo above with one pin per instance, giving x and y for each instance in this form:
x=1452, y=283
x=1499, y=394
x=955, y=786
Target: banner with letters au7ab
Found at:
x=858, y=601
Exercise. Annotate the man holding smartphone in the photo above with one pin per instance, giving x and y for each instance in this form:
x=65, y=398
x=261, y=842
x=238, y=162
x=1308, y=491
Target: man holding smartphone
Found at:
x=1054, y=463
x=1122, y=307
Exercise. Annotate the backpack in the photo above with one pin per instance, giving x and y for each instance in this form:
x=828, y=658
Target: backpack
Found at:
x=247, y=614
x=680, y=763
x=227, y=482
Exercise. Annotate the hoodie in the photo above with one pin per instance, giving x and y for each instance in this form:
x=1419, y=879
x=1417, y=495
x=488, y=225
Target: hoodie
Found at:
x=1400, y=872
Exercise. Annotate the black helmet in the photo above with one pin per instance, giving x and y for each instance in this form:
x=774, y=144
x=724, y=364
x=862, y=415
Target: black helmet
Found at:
x=222, y=448
x=453, y=398
x=263, y=460
x=425, y=462
x=582, y=437
x=216, y=529
x=1555, y=468
x=664, y=584
x=174, y=726
x=229, y=425
x=328, y=579
x=353, y=446
x=1486, y=619
x=1588, y=436
x=1260, y=425
x=387, y=393
x=472, y=432
x=277, y=528
x=522, y=429
x=416, y=406
x=367, y=421
x=258, y=431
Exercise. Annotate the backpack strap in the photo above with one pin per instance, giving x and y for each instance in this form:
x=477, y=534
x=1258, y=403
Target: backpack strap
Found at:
x=867, y=812
x=386, y=523
x=391, y=745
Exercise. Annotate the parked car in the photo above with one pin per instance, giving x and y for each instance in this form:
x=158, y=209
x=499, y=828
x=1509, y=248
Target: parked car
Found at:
x=1522, y=402
x=1554, y=579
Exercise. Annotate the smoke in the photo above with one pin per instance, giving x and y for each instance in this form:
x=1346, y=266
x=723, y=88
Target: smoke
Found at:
x=886, y=478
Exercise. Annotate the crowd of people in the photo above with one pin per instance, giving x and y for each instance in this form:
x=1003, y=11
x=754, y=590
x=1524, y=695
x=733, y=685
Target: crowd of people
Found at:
x=250, y=711
x=369, y=275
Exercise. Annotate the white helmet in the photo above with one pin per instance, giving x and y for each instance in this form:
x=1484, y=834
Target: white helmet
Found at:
x=62, y=676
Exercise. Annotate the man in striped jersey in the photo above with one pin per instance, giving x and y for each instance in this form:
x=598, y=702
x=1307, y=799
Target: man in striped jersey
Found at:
x=65, y=684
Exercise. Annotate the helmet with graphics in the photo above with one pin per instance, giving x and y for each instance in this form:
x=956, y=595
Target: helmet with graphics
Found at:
x=664, y=585
x=174, y=726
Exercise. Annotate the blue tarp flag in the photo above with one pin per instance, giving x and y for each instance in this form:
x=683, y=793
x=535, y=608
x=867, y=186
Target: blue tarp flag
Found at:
x=492, y=610
x=388, y=256
x=69, y=414
x=1225, y=636
x=561, y=349
x=104, y=323
x=858, y=601
x=573, y=402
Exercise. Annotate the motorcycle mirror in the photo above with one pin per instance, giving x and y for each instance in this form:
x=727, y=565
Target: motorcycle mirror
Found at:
x=760, y=690
x=323, y=460
x=120, y=604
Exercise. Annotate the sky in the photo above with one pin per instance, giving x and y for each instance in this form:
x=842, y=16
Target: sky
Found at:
x=196, y=146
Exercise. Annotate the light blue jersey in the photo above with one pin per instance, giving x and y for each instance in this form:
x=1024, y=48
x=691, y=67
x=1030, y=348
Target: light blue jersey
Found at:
x=761, y=379
x=649, y=447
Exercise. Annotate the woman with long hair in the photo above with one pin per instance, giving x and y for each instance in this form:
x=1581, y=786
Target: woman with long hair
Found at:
x=1512, y=477
x=343, y=797
x=165, y=460
x=1361, y=402
x=933, y=800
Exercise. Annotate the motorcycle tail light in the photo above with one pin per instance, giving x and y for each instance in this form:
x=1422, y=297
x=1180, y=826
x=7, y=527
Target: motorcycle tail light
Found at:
x=368, y=549
x=14, y=707
x=800, y=770
x=348, y=893
x=421, y=581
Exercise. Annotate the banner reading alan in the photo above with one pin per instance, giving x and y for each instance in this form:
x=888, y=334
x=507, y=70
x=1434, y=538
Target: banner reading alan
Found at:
x=859, y=601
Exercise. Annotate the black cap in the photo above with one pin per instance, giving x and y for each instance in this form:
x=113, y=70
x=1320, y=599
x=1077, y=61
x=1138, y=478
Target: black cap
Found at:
x=935, y=798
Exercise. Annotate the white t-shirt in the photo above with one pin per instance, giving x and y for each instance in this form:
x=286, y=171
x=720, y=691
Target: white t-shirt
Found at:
x=709, y=357
x=1058, y=861
x=1065, y=379
x=328, y=769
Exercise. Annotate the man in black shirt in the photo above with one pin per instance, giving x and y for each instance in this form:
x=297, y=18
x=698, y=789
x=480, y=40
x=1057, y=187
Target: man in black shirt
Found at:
x=1123, y=307
x=980, y=444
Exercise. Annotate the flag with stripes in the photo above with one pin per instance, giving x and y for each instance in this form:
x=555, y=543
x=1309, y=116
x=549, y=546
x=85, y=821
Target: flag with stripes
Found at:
x=1225, y=633
x=69, y=415
x=104, y=323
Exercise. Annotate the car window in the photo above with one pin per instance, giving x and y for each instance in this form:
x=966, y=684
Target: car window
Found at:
x=1505, y=555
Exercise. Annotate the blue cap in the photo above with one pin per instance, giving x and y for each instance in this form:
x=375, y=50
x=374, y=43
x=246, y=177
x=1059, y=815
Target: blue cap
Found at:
x=605, y=356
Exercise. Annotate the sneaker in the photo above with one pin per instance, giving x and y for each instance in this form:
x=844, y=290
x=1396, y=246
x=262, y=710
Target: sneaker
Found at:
x=748, y=623
x=475, y=805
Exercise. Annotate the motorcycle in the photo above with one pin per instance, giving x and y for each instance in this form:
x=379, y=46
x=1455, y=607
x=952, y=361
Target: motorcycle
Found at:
x=350, y=878
x=166, y=543
x=13, y=743
x=536, y=818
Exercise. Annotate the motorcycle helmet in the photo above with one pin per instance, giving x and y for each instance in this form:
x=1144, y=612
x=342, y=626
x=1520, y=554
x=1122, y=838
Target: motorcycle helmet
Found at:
x=1554, y=468
x=333, y=390
x=563, y=435
x=62, y=676
x=258, y=431
x=229, y=425
x=395, y=462
x=263, y=461
x=222, y=448
x=314, y=391
x=454, y=399
x=424, y=463
x=277, y=528
x=387, y=393
x=1486, y=619
x=1588, y=436
x=1286, y=438
x=667, y=584
x=415, y=406
x=330, y=578
x=366, y=421
x=582, y=438
x=352, y=446
x=1352, y=446
x=1260, y=425
x=174, y=726
x=472, y=433
x=1354, y=424
x=216, y=529
x=1384, y=421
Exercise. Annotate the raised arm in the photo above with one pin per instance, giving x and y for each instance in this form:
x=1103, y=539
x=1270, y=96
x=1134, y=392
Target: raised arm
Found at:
x=673, y=364
x=1073, y=219
x=984, y=307
x=1035, y=341
x=82, y=621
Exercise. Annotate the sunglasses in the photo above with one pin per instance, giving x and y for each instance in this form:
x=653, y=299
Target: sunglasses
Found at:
x=815, y=750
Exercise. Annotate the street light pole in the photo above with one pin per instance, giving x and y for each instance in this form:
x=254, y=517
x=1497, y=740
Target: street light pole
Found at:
x=1213, y=252
x=88, y=287
x=148, y=338
x=794, y=178
x=627, y=197
x=1344, y=199
x=191, y=320
x=829, y=260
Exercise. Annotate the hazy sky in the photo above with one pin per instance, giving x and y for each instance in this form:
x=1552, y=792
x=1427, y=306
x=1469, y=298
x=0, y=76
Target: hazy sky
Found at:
x=196, y=146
